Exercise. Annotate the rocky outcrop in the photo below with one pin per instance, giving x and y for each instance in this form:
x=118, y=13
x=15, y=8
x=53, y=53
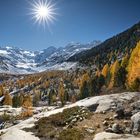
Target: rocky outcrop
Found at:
x=17, y=134
x=136, y=122
x=107, y=102
x=112, y=136
x=121, y=110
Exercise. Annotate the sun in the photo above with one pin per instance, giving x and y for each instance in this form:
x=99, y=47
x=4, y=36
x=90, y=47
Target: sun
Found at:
x=43, y=12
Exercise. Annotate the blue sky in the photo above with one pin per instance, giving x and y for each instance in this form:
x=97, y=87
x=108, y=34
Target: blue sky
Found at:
x=78, y=21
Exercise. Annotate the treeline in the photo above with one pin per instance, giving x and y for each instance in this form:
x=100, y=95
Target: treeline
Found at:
x=60, y=87
x=124, y=73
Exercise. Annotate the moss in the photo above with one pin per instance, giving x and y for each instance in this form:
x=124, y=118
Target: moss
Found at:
x=71, y=134
x=46, y=131
x=5, y=117
x=59, y=119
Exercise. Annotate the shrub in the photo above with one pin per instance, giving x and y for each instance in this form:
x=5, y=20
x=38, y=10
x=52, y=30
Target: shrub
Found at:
x=5, y=117
x=71, y=134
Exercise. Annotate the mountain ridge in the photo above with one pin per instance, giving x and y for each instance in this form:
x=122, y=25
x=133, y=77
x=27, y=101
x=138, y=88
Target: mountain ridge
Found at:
x=16, y=60
x=121, y=43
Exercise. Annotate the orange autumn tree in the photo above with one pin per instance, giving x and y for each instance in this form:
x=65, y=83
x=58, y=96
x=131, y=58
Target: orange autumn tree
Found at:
x=105, y=70
x=27, y=106
x=7, y=99
x=1, y=90
x=61, y=92
x=114, y=71
x=84, y=78
x=134, y=66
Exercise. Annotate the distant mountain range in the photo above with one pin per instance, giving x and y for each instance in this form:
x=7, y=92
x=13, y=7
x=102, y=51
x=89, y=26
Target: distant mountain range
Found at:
x=18, y=61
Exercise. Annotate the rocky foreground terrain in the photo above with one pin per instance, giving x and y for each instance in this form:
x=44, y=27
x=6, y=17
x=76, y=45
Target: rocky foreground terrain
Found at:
x=107, y=117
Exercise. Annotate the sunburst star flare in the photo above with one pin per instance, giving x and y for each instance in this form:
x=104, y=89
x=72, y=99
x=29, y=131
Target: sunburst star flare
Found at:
x=43, y=12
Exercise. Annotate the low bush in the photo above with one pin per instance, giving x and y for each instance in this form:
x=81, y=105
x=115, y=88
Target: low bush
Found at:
x=5, y=117
x=71, y=134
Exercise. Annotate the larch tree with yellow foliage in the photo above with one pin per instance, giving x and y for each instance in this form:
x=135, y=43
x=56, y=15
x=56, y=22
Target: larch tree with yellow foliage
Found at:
x=61, y=92
x=27, y=106
x=7, y=99
x=114, y=71
x=105, y=70
x=1, y=90
x=134, y=66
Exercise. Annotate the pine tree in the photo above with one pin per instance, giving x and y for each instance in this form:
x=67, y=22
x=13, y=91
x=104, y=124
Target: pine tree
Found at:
x=21, y=98
x=100, y=81
x=73, y=99
x=54, y=99
x=122, y=72
x=124, y=62
x=84, y=91
x=36, y=98
x=121, y=77
x=16, y=101
x=96, y=84
x=51, y=96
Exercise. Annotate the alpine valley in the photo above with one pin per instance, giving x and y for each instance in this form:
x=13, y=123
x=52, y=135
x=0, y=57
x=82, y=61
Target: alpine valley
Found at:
x=77, y=92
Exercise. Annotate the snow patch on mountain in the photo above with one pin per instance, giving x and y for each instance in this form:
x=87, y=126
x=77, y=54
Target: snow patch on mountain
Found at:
x=18, y=61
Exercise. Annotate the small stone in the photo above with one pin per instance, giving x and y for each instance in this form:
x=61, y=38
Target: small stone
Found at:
x=120, y=112
x=86, y=114
x=97, y=125
x=109, y=130
x=105, y=123
x=90, y=130
x=103, y=112
x=125, y=122
x=77, y=116
x=111, y=118
x=116, y=128
x=128, y=113
x=128, y=130
x=81, y=119
x=83, y=111
x=74, y=120
x=107, y=119
x=84, y=118
x=115, y=116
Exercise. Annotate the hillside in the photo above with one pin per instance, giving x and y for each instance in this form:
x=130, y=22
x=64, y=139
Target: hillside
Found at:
x=111, y=49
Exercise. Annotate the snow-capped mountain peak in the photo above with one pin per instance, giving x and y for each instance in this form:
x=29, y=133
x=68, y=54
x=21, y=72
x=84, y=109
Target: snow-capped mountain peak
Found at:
x=16, y=60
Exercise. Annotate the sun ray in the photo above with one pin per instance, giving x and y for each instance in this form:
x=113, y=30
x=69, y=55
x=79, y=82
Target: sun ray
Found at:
x=43, y=12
